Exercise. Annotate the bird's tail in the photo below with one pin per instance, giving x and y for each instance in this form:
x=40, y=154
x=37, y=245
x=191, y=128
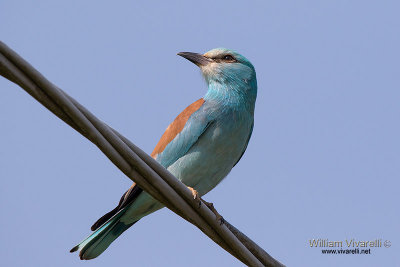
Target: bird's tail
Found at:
x=99, y=241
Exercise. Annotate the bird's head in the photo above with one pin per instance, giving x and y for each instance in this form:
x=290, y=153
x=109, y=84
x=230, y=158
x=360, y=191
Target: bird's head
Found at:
x=222, y=65
x=225, y=70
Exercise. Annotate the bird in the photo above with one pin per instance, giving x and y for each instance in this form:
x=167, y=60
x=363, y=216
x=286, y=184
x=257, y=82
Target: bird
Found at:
x=200, y=147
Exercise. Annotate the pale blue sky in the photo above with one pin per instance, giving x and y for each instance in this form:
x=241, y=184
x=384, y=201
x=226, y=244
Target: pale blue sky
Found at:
x=323, y=161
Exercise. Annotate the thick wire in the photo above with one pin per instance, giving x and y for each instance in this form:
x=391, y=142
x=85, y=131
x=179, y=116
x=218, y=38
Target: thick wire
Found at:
x=132, y=161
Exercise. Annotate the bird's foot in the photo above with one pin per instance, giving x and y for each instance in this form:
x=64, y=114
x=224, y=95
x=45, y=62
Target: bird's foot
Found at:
x=195, y=195
x=218, y=216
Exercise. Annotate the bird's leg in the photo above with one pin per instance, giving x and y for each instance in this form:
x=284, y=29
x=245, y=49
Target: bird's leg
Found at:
x=210, y=205
x=218, y=216
x=195, y=195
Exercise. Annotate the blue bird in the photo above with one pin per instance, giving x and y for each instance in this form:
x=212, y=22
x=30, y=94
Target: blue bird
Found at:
x=200, y=147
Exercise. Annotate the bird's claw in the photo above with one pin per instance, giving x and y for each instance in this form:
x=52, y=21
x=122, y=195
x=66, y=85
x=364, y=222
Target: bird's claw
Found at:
x=195, y=195
x=218, y=216
x=210, y=205
x=220, y=219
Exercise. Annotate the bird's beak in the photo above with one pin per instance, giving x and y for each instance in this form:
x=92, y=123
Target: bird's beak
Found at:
x=197, y=59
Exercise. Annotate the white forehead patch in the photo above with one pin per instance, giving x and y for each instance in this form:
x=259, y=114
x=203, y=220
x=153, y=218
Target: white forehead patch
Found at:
x=215, y=52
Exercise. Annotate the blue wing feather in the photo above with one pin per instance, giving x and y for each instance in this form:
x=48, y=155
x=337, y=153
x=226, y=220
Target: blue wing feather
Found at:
x=195, y=126
x=247, y=143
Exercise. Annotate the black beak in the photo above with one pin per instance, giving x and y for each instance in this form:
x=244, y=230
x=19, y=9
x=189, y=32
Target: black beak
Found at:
x=197, y=59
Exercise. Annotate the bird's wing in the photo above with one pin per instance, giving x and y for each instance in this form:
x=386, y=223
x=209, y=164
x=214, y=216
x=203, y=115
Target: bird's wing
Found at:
x=179, y=137
x=182, y=134
x=247, y=142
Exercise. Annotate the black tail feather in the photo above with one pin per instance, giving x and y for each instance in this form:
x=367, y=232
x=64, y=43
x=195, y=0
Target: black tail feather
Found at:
x=127, y=198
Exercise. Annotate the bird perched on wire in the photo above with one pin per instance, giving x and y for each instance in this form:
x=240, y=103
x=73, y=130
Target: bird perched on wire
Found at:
x=200, y=147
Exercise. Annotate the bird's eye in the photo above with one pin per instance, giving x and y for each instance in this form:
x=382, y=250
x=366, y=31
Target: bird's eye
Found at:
x=228, y=57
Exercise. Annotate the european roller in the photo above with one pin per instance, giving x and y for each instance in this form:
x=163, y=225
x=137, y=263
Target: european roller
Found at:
x=200, y=147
